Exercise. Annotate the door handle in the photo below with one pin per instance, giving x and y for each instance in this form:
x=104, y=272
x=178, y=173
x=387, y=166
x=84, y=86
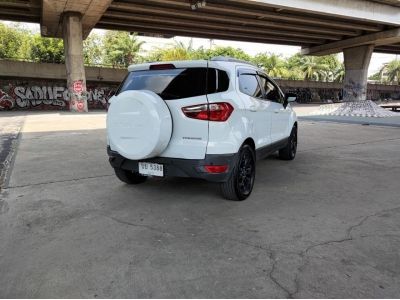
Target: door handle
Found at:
x=277, y=111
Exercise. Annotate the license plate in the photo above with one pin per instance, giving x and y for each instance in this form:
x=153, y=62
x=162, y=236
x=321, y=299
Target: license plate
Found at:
x=146, y=168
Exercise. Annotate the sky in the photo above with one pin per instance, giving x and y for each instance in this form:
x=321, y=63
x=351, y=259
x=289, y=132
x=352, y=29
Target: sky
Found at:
x=377, y=60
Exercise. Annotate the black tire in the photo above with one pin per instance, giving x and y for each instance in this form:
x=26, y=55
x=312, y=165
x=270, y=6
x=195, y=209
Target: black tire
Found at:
x=129, y=177
x=240, y=184
x=289, y=151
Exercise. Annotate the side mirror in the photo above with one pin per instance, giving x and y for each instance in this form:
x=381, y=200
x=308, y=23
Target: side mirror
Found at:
x=290, y=97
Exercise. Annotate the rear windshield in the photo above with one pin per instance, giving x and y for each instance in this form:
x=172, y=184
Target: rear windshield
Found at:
x=180, y=83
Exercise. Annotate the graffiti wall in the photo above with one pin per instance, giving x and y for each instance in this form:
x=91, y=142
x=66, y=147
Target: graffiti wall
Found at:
x=49, y=95
x=27, y=94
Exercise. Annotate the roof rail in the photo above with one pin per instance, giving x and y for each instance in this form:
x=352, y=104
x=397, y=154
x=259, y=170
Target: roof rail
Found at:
x=231, y=59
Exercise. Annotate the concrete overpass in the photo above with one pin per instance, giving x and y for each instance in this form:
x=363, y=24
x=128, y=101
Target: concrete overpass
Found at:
x=356, y=27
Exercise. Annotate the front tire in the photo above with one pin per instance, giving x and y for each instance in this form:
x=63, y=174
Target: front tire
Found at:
x=240, y=184
x=129, y=177
x=289, y=151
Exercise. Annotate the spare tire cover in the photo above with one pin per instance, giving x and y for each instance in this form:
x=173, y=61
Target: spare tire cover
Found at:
x=139, y=124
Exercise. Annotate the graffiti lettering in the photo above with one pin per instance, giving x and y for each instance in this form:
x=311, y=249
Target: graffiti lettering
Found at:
x=96, y=95
x=36, y=96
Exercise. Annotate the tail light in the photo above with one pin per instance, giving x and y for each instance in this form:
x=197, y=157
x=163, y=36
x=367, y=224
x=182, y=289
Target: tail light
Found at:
x=218, y=112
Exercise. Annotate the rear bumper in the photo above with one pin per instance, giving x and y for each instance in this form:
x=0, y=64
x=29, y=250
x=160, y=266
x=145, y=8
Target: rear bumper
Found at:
x=177, y=167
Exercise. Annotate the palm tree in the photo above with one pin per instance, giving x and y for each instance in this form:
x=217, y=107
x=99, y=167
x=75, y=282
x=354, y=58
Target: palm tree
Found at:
x=183, y=46
x=121, y=48
x=313, y=69
x=292, y=66
x=178, y=51
x=272, y=64
x=275, y=66
x=338, y=74
x=392, y=70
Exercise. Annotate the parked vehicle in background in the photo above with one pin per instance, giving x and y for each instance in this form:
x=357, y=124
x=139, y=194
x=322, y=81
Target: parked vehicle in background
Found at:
x=202, y=119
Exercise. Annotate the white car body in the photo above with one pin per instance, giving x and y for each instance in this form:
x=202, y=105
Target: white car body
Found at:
x=265, y=124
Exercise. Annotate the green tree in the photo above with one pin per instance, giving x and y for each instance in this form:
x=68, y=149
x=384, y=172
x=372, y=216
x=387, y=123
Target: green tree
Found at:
x=333, y=69
x=292, y=66
x=392, y=71
x=154, y=55
x=227, y=51
x=273, y=64
x=47, y=50
x=338, y=73
x=92, y=49
x=377, y=76
x=177, y=51
x=183, y=46
x=12, y=42
x=322, y=68
x=313, y=68
x=121, y=49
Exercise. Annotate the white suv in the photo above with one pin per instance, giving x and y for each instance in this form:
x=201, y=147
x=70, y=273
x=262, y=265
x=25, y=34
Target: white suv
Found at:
x=203, y=119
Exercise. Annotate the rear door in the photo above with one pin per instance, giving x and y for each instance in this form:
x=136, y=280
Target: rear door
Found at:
x=179, y=84
x=279, y=115
x=258, y=110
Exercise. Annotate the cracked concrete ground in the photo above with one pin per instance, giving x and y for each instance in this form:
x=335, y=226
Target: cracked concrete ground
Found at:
x=324, y=225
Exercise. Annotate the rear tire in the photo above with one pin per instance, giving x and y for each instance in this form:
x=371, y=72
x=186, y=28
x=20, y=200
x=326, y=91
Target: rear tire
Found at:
x=240, y=184
x=129, y=177
x=289, y=151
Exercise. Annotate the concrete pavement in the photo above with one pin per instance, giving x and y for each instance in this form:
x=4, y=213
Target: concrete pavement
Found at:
x=390, y=121
x=325, y=225
x=10, y=127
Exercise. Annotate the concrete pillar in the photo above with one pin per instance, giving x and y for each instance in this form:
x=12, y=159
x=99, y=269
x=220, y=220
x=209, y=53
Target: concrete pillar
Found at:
x=73, y=50
x=356, y=62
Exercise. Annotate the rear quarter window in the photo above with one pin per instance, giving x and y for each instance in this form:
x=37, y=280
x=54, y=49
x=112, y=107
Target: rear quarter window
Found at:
x=218, y=81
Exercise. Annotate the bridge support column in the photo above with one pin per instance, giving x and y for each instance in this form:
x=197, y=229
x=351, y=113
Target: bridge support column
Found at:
x=73, y=50
x=356, y=62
